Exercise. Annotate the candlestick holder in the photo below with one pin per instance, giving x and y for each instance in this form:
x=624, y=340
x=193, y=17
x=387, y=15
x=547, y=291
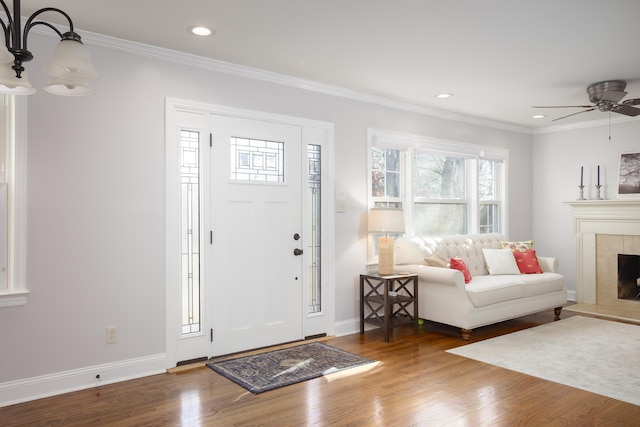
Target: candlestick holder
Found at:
x=598, y=186
x=581, y=187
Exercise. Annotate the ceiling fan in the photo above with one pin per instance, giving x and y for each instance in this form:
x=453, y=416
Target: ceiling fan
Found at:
x=605, y=96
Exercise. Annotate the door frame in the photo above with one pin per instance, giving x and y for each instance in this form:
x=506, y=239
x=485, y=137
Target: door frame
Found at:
x=313, y=132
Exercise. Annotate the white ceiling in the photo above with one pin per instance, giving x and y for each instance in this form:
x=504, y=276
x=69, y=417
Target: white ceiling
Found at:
x=498, y=57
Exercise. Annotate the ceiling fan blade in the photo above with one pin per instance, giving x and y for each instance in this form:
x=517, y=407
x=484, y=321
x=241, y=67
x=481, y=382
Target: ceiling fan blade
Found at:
x=579, y=112
x=613, y=95
x=627, y=110
x=634, y=101
x=565, y=106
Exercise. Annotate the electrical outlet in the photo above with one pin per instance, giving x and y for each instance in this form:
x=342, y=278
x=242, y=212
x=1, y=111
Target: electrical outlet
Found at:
x=111, y=335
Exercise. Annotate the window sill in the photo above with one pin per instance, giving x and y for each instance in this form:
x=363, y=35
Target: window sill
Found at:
x=13, y=298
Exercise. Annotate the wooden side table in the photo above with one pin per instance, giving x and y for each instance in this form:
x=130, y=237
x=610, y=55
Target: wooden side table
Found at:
x=387, y=299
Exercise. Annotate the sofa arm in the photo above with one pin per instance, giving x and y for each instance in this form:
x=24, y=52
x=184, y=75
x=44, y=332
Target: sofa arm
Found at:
x=439, y=275
x=548, y=264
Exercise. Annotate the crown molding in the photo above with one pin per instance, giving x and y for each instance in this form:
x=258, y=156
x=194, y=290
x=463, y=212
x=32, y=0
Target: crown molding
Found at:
x=215, y=65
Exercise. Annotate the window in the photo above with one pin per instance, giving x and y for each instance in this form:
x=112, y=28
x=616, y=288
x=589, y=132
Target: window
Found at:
x=13, y=289
x=190, y=288
x=257, y=160
x=314, y=182
x=444, y=187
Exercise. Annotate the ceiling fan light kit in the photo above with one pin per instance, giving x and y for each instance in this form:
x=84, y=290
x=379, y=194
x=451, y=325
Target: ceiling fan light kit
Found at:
x=605, y=96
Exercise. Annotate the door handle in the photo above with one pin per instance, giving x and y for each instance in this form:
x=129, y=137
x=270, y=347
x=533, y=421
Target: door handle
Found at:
x=297, y=252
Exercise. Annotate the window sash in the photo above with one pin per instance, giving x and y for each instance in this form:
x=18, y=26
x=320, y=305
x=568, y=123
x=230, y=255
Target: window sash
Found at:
x=480, y=204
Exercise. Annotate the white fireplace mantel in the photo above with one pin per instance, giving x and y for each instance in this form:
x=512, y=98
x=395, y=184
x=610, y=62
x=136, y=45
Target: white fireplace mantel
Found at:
x=593, y=217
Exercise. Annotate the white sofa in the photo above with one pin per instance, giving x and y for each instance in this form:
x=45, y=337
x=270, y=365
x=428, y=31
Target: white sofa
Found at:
x=486, y=299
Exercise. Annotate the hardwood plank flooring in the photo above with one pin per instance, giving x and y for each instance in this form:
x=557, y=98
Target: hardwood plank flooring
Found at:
x=415, y=383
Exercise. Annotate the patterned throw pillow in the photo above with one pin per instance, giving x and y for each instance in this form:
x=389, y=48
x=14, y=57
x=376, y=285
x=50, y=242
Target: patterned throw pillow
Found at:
x=458, y=264
x=525, y=245
x=527, y=262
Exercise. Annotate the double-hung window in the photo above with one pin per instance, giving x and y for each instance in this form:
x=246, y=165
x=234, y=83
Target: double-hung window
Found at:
x=13, y=289
x=444, y=187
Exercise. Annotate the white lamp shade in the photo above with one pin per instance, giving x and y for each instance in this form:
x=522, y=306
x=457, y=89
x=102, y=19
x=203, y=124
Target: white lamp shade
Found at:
x=58, y=86
x=5, y=55
x=11, y=85
x=71, y=61
x=386, y=220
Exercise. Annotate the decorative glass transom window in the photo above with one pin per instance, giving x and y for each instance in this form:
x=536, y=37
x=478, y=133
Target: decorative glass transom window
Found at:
x=257, y=160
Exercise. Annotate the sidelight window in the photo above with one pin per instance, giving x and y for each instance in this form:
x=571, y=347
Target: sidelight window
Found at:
x=190, y=230
x=314, y=246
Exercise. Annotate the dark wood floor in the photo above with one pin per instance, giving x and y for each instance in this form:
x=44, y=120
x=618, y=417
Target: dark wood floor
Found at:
x=416, y=383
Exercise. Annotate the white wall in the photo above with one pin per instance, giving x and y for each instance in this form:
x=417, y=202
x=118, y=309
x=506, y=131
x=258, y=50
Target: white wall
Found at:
x=96, y=197
x=557, y=158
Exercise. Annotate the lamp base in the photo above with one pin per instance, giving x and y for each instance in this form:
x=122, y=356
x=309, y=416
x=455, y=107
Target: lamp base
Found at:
x=385, y=256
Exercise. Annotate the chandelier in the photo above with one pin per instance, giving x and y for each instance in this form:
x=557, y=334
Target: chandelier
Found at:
x=70, y=68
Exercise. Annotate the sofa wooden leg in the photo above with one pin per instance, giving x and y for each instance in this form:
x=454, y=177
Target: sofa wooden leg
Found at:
x=557, y=311
x=466, y=333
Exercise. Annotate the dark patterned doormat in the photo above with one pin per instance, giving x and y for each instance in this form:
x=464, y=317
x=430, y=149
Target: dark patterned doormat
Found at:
x=279, y=368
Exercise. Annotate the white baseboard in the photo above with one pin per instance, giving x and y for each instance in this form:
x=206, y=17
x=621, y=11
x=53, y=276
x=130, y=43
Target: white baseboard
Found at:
x=13, y=392
x=351, y=326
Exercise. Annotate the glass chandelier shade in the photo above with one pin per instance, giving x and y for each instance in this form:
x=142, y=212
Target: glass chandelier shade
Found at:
x=58, y=86
x=70, y=67
x=71, y=61
x=12, y=85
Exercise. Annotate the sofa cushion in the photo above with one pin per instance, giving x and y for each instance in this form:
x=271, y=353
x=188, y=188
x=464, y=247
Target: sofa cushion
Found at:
x=487, y=290
x=540, y=284
x=500, y=261
x=527, y=262
x=458, y=264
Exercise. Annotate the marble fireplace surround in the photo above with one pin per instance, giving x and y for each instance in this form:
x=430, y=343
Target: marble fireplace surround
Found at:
x=602, y=229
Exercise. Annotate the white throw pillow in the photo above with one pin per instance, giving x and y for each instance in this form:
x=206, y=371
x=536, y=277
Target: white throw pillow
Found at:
x=500, y=261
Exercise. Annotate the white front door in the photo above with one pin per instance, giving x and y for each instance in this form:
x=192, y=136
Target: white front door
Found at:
x=233, y=281
x=256, y=234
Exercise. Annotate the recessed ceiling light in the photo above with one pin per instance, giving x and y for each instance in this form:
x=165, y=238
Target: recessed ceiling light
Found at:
x=200, y=31
x=538, y=116
x=444, y=95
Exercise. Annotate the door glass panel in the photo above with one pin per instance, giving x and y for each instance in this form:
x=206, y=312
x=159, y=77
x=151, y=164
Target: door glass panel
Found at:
x=257, y=160
x=190, y=221
x=313, y=188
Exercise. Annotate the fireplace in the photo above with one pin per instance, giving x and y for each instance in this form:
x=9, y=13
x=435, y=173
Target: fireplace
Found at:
x=628, y=277
x=603, y=229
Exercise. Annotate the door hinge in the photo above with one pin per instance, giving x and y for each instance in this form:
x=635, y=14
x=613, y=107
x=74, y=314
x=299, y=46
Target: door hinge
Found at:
x=210, y=140
x=211, y=335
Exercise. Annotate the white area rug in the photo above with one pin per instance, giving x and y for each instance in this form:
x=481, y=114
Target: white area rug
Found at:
x=591, y=354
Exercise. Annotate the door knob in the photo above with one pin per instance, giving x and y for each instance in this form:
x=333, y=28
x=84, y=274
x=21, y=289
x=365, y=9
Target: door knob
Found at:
x=297, y=252
x=296, y=236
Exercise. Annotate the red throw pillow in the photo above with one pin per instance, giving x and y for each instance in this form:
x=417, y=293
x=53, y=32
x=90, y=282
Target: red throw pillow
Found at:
x=458, y=264
x=527, y=262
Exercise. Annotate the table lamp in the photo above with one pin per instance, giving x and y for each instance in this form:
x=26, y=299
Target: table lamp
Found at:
x=386, y=221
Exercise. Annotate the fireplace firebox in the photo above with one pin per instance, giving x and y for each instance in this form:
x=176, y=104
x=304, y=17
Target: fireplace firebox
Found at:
x=628, y=277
